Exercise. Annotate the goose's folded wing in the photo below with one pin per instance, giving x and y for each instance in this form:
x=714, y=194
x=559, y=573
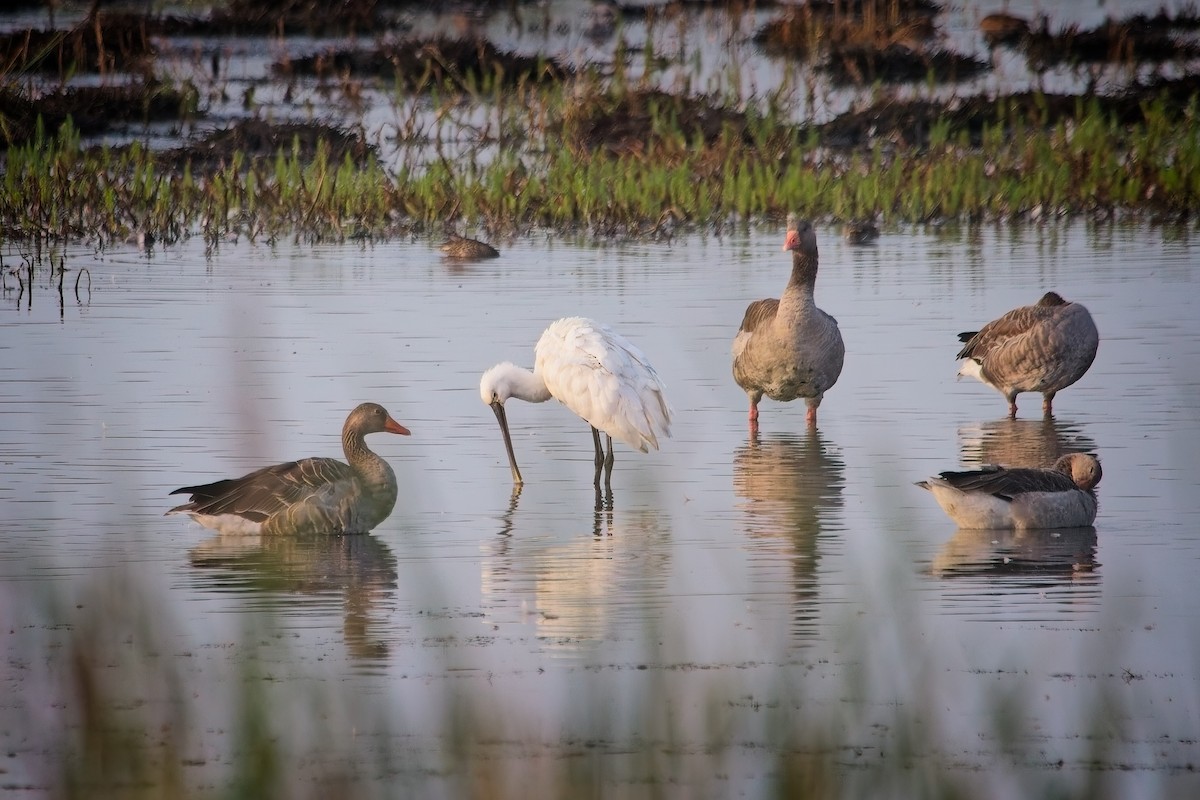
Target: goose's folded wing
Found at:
x=1017, y=322
x=1007, y=483
x=759, y=313
x=267, y=491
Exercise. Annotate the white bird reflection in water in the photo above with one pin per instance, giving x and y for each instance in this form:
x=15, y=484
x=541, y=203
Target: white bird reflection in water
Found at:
x=1022, y=573
x=1021, y=442
x=790, y=490
x=307, y=575
x=582, y=591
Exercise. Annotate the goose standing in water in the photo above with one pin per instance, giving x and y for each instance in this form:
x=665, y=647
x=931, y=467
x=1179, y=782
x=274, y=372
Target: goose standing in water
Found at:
x=314, y=495
x=598, y=374
x=1018, y=498
x=788, y=348
x=1040, y=348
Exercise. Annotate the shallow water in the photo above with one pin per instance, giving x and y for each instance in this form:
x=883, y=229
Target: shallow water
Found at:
x=729, y=583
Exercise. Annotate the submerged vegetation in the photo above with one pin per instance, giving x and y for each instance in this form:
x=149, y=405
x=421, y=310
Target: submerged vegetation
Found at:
x=513, y=141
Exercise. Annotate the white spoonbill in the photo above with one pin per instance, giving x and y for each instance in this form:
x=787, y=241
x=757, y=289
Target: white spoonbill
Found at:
x=1043, y=348
x=789, y=348
x=598, y=374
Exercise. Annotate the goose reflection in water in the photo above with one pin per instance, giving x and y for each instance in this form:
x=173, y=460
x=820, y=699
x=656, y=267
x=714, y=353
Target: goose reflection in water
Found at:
x=790, y=490
x=302, y=573
x=1035, y=556
x=1034, y=443
x=579, y=591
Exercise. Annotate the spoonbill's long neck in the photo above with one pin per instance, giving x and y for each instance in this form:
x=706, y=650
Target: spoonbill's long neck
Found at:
x=528, y=386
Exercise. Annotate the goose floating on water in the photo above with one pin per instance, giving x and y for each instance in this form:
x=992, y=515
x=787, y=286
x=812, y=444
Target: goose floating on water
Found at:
x=1020, y=498
x=314, y=495
x=461, y=247
x=860, y=232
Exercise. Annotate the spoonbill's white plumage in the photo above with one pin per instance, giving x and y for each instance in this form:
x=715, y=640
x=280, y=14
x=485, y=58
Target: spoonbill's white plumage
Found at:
x=788, y=348
x=1020, y=498
x=1044, y=348
x=600, y=375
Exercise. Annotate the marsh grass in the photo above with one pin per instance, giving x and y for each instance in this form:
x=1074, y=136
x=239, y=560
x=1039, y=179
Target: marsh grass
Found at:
x=627, y=159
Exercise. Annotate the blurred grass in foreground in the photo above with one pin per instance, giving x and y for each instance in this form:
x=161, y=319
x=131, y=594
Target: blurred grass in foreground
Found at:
x=113, y=704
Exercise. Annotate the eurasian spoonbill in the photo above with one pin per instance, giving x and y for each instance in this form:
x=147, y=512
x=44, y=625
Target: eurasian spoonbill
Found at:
x=598, y=374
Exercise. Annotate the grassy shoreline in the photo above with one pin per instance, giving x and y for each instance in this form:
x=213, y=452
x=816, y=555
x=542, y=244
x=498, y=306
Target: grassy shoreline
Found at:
x=1017, y=165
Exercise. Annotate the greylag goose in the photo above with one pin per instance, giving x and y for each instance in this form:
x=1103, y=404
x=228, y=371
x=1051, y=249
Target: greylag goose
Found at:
x=860, y=232
x=789, y=348
x=598, y=374
x=1020, y=498
x=314, y=495
x=457, y=246
x=1003, y=28
x=1040, y=348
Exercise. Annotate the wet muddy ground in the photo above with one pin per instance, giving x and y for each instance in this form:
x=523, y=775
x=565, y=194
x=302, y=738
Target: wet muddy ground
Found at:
x=134, y=57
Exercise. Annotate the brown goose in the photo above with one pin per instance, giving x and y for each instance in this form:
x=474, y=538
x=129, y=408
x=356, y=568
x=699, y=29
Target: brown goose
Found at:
x=314, y=495
x=1040, y=348
x=1003, y=28
x=789, y=348
x=860, y=232
x=1020, y=498
x=457, y=246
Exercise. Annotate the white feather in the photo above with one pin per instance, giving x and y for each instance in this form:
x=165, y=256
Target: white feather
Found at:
x=595, y=372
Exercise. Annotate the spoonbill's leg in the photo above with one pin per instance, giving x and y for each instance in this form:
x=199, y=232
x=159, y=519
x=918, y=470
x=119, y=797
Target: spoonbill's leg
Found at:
x=599, y=456
x=608, y=464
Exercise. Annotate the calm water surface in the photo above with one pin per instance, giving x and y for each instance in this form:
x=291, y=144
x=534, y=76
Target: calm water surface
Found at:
x=729, y=583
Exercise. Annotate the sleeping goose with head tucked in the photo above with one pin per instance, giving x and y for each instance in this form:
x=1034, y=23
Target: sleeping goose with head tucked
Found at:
x=1021, y=498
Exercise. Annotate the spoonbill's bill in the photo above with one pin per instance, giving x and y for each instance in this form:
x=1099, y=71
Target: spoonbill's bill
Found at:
x=1000, y=497
x=314, y=495
x=787, y=347
x=1040, y=348
x=598, y=374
